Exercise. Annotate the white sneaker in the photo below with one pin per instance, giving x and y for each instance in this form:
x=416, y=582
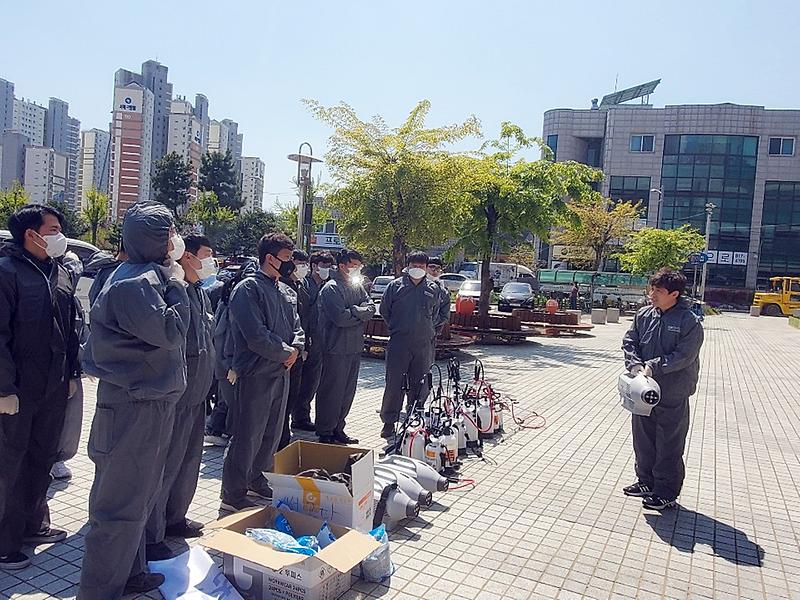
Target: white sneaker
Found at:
x=60, y=470
x=215, y=440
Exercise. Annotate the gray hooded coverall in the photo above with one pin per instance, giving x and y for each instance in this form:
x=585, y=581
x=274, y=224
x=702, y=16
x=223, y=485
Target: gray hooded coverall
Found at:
x=414, y=315
x=669, y=343
x=136, y=345
x=264, y=328
x=344, y=307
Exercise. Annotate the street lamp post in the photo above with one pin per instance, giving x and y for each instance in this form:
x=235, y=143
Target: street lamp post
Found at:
x=304, y=162
x=709, y=210
x=660, y=192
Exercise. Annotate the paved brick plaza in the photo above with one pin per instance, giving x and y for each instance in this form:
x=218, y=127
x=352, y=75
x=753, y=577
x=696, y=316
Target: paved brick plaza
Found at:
x=547, y=519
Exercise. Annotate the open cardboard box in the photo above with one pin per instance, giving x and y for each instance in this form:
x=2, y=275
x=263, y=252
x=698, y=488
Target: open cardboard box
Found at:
x=260, y=573
x=326, y=500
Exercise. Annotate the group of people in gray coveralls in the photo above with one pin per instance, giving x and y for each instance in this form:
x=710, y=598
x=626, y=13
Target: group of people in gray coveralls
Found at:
x=281, y=333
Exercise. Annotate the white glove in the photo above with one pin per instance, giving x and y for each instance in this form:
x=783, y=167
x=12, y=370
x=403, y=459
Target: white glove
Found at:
x=648, y=372
x=176, y=272
x=73, y=387
x=232, y=377
x=9, y=405
x=636, y=369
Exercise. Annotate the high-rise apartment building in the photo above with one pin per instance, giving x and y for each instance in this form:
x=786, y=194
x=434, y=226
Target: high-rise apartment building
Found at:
x=29, y=119
x=219, y=137
x=154, y=78
x=252, y=183
x=201, y=112
x=6, y=105
x=12, y=158
x=93, y=164
x=131, y=147
x=234, y=143
x=186, y=137
x=46, y=173
x=63, y=134
x=678, y=159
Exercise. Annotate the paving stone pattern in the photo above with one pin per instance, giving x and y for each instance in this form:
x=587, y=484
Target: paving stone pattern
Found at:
x=546, y=518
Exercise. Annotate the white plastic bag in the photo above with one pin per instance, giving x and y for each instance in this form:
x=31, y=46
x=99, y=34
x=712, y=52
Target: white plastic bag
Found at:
x=193, y=575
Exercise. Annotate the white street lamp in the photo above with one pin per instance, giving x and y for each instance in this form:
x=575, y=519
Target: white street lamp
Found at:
x=304, y=162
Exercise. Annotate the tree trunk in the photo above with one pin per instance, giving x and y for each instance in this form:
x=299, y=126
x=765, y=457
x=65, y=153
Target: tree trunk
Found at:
x=399, y=251
x=486, y=267
x=94, y=234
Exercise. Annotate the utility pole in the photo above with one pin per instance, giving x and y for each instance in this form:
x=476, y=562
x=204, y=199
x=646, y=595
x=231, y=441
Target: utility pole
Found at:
x=709, y=210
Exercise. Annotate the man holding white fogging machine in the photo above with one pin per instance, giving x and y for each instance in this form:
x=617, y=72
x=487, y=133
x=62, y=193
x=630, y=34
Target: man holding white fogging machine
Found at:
x=663, y=343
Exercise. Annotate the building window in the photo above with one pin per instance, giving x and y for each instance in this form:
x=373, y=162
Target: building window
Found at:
x=779, y=249
x=552, y=143
x=781, y=146
x=630, y=189
x=642, y=143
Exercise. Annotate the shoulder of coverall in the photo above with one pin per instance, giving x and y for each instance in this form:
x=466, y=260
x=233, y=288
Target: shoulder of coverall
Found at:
x=145, y=232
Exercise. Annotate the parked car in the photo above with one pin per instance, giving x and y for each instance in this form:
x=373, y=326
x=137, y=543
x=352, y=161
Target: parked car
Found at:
x=83, y=250
x=471, y=288
x=515, y=295
x=453, y=281
x=379, y=286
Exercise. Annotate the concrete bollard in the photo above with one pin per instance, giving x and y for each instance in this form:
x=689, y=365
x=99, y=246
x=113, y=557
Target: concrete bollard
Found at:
x=755, y=311
x=612, y=315
x=575, y=312
x=598, y=316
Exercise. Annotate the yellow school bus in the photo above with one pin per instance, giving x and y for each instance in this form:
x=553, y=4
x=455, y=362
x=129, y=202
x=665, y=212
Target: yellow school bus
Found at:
x=782, y=297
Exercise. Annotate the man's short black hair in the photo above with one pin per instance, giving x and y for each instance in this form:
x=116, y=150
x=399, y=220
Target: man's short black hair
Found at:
x=417, y=257
x=30, y=216
x=272, y=243
x=299, y=255
x=195, y=241
x=672, y=281
x=436, y=261
x=345, y=256
x=322, y=256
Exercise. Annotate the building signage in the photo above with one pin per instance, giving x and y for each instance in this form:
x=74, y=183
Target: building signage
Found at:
x=128, y=100
x=724, y=257
x=712, y=257
x=740, y=258
x=327, y=240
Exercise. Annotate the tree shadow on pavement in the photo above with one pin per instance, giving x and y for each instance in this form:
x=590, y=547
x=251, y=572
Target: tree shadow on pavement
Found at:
x=684, y=529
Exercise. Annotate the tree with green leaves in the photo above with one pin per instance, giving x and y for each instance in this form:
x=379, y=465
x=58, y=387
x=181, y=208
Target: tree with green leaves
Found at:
x=95, y=212
x=218, y=174
x=523, y=253
x=396, y=187
x=506, y=197
x=208, y=212
x=648, y=250
x=600, y=224
x=11, y=200
x=114, y=237
x=74, y=225
x=172, y=181
x=240, y=237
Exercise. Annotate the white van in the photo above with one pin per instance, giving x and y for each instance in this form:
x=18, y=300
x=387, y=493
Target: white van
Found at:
x=501, y=273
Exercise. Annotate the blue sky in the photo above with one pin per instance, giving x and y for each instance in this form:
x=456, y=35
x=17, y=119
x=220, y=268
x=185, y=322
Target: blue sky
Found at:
x=507, y=60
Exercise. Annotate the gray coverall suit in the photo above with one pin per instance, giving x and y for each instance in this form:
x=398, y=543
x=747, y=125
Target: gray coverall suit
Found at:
x=443, y=316
x=265, y=328
x=344, y=307
x=669, y=343
x=186, y=441
x=412, y=314
x=312, y=366
x=136, y=346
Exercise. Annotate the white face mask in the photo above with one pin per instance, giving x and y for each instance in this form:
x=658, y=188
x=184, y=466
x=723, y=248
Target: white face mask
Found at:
x=302, y=270
x=433, y=277
x=324, y=273
x=55, y=245
x=416, y=273
x=207, y=268
x=178, y=248
x=354, y=271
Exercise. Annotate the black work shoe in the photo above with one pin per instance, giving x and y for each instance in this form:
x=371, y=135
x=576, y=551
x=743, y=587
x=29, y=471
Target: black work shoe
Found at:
x=387, y=431
x=345, y=439
x=186, y=529
x=260, y=489
x=638, y=490
x=237, y=505
x=143, y=583
x=304, y=426
x=329, y=439
x=654, y=502
x=158, y=551
x=47, y=536
x=14, y=561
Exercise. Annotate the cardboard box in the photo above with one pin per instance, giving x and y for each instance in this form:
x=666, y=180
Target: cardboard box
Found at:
x=327, y=500
x=260, y=573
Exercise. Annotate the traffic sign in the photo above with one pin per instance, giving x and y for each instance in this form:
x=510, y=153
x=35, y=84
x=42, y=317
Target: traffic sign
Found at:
x=698, y=258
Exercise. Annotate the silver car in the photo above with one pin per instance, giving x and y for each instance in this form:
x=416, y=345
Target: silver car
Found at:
x=452, y=281
x=379, y=286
